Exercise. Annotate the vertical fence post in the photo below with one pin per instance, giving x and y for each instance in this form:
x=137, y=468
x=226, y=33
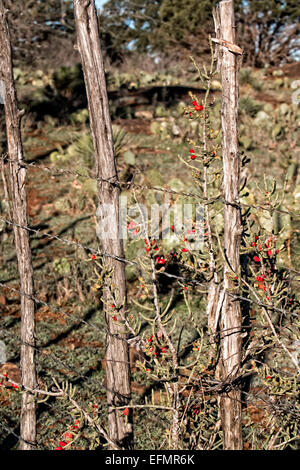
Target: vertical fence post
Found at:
x=231, y=320
x=114, y=290
x=17, y=175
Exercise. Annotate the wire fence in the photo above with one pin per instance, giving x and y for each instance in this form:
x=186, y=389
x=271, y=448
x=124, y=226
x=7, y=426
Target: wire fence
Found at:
x=207, y=383
x=132, y=185
x=60, y=367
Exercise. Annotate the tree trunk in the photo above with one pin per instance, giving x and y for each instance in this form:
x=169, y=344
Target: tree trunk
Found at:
x=19, y=208
x=114, y=294
x=230, y=321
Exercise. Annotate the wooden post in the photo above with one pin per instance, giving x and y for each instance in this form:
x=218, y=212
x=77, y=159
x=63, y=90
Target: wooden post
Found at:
x=17, y=175
x=230, y=321
x=114, y=294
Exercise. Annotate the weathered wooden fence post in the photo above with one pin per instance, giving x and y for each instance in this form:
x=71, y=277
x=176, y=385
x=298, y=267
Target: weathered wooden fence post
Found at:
x=17, y=175
x=231, y=319
x=114, y=294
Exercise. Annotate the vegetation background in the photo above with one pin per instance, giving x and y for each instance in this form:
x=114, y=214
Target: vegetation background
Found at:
x=147, y=47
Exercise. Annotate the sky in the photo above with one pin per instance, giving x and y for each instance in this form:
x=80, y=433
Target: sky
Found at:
x=99, y=3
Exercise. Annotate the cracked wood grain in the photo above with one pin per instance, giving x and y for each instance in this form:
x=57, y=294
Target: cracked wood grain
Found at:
x=117, y=351
x=19, y=218
x=230, y=315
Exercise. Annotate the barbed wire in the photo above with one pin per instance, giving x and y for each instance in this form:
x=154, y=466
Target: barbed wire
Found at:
x=277, y=408
x=96, y=251
x=178, y=278
x=224, y=332
x=221, y=387
x=131, y=185
x=11, y=431
x=93, y=251
x=212, y=387
x=216, y=386
x=52, y=307
x=41, y=349
x=57, y=171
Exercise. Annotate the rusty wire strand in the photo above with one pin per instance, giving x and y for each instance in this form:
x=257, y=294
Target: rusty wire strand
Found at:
x=131, y=185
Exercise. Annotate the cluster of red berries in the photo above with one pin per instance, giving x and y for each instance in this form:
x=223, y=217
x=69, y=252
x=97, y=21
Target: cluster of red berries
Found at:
x=11, y=384
x=158, y=259
x=161, y=259
x=261, y=282
x=113, y=317
x=162, y=350
x=68, y=436
x=267, y=246
x=95, y=406
x=193, y=155
x=192, y=152
x=155, y=350
x=197, y=106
